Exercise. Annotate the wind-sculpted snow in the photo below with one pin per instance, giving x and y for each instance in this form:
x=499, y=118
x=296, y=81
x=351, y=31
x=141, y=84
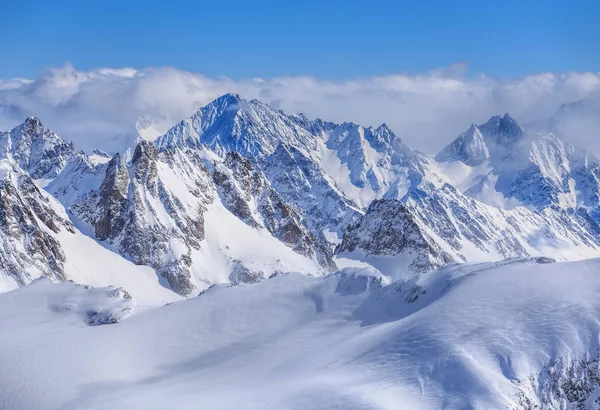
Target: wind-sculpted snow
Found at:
x=240, y=193
x=516, y=334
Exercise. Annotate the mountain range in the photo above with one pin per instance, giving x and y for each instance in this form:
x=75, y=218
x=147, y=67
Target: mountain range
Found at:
x=314, y=265
x=240, y=192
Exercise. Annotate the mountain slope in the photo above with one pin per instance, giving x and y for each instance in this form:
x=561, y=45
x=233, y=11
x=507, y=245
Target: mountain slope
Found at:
x=240, y=192
x=37, y=239
x=170, y=211
x=428, y=232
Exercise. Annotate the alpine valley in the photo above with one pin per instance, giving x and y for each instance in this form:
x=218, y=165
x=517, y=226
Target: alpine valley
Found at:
x=313, y=265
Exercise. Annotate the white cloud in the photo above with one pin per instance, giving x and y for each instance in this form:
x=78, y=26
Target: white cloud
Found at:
x=98, y=108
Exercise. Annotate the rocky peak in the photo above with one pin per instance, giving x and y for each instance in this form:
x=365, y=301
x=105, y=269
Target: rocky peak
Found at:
x=230, y=123
x=388, y=228
x=36, y=149
x=502, y=130
x=146, y=150
x=112, y=202
x=469, y=148
x=28, y=220
x=33, y=125
x=382, y=138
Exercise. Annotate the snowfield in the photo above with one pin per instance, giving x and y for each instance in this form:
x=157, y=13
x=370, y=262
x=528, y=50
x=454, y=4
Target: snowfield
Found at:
x=466, y=336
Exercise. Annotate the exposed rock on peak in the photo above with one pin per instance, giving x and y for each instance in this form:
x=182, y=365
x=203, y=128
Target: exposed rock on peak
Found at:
x=469, y=148
x=27, y=220
x=389, y=229
x=36, y=149
x=144, y=149
x=502, y=130
x=250, y=196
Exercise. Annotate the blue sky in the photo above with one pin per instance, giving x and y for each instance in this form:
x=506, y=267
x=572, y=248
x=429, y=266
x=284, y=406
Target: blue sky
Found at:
x=326, y=39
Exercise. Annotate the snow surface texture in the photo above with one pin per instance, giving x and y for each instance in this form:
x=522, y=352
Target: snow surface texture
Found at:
x=467, y=336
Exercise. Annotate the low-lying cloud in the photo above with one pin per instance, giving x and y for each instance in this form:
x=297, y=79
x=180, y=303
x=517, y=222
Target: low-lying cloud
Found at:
x=100, y=108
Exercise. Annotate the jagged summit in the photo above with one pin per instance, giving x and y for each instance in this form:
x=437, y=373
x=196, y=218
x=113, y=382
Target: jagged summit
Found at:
x=502, y=130
x=495, y=138
x=469, y=148
x=516, y=167
x=36, y=149
x=231, y=123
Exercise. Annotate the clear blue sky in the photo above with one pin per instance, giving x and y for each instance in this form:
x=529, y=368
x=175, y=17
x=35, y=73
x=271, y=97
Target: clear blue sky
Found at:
x=332, y=39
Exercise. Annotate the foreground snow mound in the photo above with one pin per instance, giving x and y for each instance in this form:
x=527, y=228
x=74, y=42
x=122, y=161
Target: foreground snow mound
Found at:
x=70, y=303
x=514, y=334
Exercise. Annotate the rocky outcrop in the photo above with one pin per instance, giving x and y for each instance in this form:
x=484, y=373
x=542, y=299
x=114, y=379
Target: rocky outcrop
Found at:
x=564, y=383
x=36, y=149
x=28, y=222
x=136, y=211
x=390, y=229
x=250, y=196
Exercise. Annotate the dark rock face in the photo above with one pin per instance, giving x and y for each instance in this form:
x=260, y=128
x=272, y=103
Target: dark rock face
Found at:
x=239, y=185
x=36, y=149
x=389, y=228
x=25, y=246
x=113, y=200
x=563, y=383
x=136, y=212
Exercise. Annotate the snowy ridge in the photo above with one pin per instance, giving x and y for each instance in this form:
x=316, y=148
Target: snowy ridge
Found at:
x=160, y=211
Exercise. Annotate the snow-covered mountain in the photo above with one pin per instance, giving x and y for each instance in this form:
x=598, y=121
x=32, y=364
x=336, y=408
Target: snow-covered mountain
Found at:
x=36, y=149
x=240, y=192
x=447, y=276
x=501, y=164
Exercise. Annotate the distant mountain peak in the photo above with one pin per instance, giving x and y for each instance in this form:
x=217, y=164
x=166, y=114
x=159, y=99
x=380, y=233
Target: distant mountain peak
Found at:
x=36, y=148
x=502, y=130
x=469, y=148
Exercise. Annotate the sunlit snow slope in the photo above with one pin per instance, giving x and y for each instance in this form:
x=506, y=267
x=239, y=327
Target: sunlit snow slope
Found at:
x=467, y=336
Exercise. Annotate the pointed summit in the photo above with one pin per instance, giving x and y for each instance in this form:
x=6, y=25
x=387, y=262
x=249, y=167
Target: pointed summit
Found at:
x=502, y=130
x=36, y=149
x=469, y=148
x=231, y=123
x=227, y=100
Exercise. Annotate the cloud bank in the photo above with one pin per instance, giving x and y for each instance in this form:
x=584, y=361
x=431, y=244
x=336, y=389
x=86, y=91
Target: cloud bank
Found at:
x=100, y=108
